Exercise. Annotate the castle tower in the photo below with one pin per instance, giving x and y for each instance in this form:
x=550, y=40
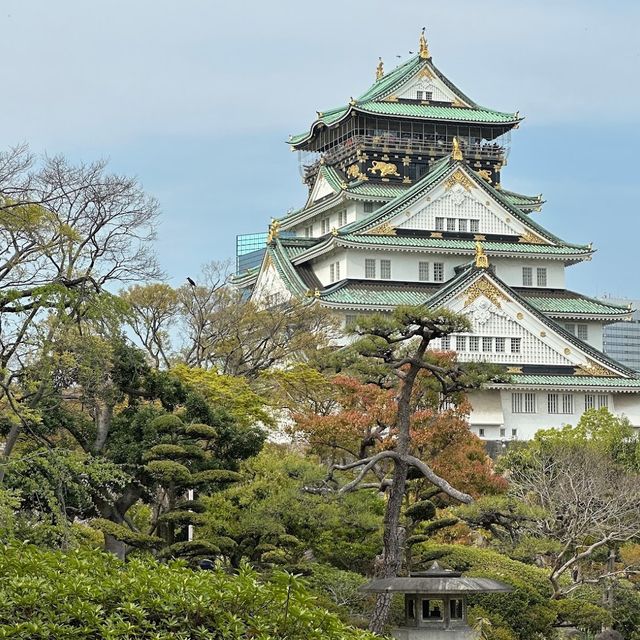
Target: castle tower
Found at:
x=406, y=206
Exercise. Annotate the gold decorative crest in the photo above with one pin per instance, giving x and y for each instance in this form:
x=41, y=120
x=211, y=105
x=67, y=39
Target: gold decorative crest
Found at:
x=456, y=102
x=384, y=169
x=385, y=229
x=380, y=69
x=426, y=73
x=514, y=370
x=485, y=174
x=458, y=178
x=530, y=238
x=593, y=369
x=484, y=287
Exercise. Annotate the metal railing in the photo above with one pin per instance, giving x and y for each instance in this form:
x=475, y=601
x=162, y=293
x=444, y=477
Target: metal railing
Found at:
x=435, y=148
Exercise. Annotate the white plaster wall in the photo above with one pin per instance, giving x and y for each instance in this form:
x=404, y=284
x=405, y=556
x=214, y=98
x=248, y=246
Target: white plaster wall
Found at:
x=321, y=266
x=404, y=265
x=510, y=270
x=420, y=83
x=332, y=214
x=459, y=203
x=269, y=283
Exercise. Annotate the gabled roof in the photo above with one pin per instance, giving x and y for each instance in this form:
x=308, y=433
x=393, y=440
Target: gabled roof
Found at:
x=470, y=275
x=379, y=99
x=441, y=170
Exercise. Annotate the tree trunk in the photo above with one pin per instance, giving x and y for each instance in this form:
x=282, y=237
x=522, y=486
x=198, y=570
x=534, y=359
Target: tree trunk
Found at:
x=394, y=539
x=9, y=443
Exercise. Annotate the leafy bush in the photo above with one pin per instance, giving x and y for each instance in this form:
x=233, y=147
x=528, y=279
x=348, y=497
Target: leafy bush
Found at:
x=87, y=595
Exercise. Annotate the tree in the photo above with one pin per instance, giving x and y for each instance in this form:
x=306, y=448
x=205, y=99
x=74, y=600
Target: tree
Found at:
x=154, y=311
x=587, y=501
x=236, y=336
x=66, y=233
x=400, y=341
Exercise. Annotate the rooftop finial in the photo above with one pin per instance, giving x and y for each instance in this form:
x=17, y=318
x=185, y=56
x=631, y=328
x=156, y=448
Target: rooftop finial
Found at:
x=379, y=69
x=424, y=47
x=457, y=151
x=482, y=261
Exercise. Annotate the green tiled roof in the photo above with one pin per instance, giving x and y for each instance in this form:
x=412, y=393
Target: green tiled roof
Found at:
x=576, y=381
x=574, y=305
x=433, y=112
x=362, y=295
x=520, y=200
x=374, y=190
x=464, y=245
x=373, y=101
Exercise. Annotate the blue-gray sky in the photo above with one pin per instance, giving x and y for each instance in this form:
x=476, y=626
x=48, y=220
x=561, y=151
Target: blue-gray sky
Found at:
x=196, y=98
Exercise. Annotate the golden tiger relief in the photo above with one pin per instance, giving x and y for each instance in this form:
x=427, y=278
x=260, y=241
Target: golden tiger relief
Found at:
x=384, y=168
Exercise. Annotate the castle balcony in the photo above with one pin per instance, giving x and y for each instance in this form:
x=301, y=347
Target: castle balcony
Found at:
x=433, y=147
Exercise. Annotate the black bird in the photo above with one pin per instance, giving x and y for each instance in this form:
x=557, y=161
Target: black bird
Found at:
x=191, y=282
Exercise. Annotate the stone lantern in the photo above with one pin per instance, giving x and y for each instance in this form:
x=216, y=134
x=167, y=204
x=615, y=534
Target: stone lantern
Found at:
x=435, y=602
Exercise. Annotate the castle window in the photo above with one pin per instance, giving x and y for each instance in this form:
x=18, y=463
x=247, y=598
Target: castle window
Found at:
x=439, y=224
x=445, y=343
x=571, y=328
x=385, y=269
x=369, y=207
x=474, y=343
x=423, y=271
x=541, y=276
x=583, y=331
x=514, y=434
x=523, y=403
x=349, y=320
x=567, y=403
x=500, y=345
x=527, y=276
x=503, y=432
x=369, y=268
x=481, y=432
x=552, y=403
x=438, y=271
x=487, y=344
x=474, y=226
x=334, y=271
x=342, y=218
x=325, y=225
x=461, y=343
x=451, y=224
x=516, y=344
x=424, y=95
x=308, y=231
x=462, y=227
x=603, y=402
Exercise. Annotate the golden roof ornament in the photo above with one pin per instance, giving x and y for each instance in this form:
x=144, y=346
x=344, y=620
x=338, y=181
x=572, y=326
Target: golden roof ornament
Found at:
x=274, y=230
x=457, y=151
x=482, y=260
x=379, y=69
x=424, y=47
x=352, y=101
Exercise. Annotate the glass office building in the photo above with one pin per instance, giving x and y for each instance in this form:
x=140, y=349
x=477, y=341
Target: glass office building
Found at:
x=621, y=340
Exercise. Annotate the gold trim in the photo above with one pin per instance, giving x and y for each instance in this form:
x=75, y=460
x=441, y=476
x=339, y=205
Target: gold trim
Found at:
x=425, y=73
x=353, y=171
x=530, y=238
x=456, y=102
x=274, y=230
x=459, y=177
x=593, y=369
x=520, y=315
x=486, y=288
x=436, y=234
x=514, y=370
x=384, y=229
x=383, y=169
x=380, y=70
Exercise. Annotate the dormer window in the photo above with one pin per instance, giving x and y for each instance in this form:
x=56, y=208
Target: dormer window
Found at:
x=424, y=95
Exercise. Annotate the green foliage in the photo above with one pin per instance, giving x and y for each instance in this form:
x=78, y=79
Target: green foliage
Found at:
x=202, y=431
x=87, y=594
x=527, y=612
x=269, y=510
x=161, y=451
x=423, y=510
x=582, y=614
x=215, y=476
x=126, y=535
x=9, y=505
x=190, y=548
x=169, y=472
